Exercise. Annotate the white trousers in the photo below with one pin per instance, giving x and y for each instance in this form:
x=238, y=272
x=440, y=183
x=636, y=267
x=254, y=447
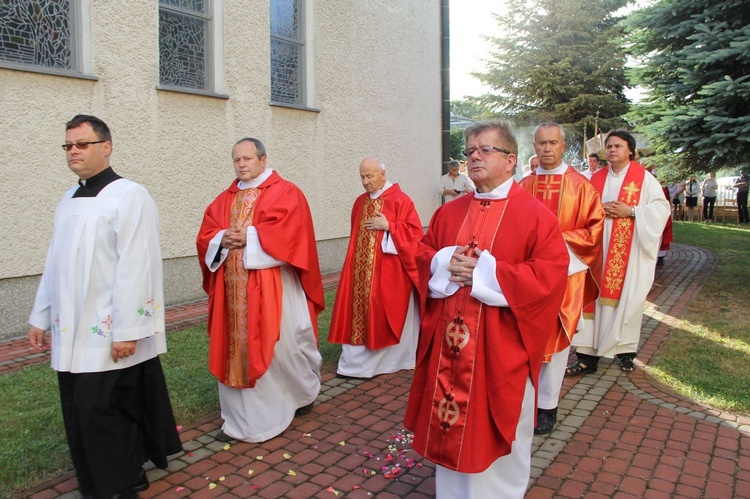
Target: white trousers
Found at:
x=551, y=379
x=507, y=477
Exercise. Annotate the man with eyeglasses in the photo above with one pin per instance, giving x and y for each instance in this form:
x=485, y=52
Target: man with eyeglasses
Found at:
x=493, y=267
x=101, y=297
x=257, y=253
x=375, y=316
x=578, y=208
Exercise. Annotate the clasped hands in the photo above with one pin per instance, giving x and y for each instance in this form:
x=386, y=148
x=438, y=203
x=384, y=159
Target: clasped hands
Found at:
x=234, y=238
x=462, y=265
x=617, y=209
x=378, y=222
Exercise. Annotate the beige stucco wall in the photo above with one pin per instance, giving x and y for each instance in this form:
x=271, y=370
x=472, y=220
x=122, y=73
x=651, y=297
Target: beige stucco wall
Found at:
x=377, y=78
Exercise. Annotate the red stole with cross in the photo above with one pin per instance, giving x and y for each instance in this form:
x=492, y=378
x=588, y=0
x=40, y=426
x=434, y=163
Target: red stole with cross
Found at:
x=548, y=190
x=621, y=238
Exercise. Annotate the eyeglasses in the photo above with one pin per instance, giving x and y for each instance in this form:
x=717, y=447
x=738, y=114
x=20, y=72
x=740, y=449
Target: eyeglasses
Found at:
x=81, y=145
x=483, y=150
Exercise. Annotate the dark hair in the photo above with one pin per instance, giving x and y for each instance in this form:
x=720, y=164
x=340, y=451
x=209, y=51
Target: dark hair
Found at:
x=454, y=163
x=260, y=149
x=100, y=128
x=594, y=155
x=627, y=137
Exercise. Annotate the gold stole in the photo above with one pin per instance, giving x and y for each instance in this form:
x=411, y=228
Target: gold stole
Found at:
x=235, y=280
x=364, y=265
x=621, y=238
x=458, y=345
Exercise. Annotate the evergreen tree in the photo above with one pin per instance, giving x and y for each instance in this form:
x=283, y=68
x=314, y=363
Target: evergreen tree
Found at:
x=694, y=58
x=558, y=61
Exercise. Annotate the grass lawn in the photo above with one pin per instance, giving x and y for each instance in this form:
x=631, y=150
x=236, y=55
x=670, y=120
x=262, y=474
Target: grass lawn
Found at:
x=707, y=359
x=33, y=447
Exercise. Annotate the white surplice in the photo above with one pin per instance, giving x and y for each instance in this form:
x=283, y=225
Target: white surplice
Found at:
x=293, y=378
x=618, y=329
x=106, y=249
x=358, y=361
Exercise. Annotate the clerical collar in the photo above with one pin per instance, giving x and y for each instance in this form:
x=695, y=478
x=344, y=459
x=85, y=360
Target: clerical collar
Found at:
x=499, y=192
x=91, y=187
x=256, y=181
x=619, y=174
x=558, y=170
x=376, y=194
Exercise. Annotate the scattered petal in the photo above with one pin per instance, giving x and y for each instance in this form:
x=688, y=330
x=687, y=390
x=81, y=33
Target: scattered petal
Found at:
x=179, y=427
x=250, y=472
x=315, y=446
x=307, y=435
x=332, y=490
x=389, y=458
x=191, y=454
x=256, y=487
x=373, y=472
x=342, y=443
x=287, y=456
x=227, y=447
x=180, y=489
x=355, y=487
x=222, y=478
x=259, y=458
x=367, y=454
x=291, y=473
x=211, y=485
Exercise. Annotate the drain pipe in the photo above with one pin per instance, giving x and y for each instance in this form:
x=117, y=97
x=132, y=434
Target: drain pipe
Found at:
x=445, y=80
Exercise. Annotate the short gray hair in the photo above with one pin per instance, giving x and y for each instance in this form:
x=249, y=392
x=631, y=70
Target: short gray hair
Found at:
x=550, y=124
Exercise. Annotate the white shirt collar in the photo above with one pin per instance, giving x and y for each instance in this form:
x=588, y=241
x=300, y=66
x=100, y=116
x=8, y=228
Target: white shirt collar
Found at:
x=622, y=172
x=376, y=195
x=499, y=192
x=558, y=170
x=256, y=181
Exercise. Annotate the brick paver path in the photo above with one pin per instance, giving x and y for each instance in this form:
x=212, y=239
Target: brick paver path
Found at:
x=619, y=435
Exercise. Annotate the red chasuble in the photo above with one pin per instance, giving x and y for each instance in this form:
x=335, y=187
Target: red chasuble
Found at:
x=282, y=218
x=578, y=208
x=375, y=288
x=473, y=360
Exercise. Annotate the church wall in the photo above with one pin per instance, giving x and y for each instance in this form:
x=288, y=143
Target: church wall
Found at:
x=376, y=92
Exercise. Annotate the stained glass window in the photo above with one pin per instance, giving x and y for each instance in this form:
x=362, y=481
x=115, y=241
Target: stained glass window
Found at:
x=37, y=33
x=183, y=43
x=287, y=52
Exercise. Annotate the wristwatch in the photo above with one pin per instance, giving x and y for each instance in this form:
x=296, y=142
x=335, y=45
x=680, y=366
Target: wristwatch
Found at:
x=632, y=212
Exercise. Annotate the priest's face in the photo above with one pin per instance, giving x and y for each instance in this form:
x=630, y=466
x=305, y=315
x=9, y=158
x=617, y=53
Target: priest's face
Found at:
x=618, y=152
x=90, y=159
x=488, y=169
x=247, y=164
x=549, y=146
x=372, y=175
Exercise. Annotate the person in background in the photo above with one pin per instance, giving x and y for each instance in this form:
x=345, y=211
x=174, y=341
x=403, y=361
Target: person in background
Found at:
x=453, y=183
x=709, y=191
x=741, y=184
x=692, y=191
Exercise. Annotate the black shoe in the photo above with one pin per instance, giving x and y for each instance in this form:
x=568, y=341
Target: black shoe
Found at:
x=223, y=437
x=660, y=261
x=302, y=411
x=141, y=483
x=545, y=421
